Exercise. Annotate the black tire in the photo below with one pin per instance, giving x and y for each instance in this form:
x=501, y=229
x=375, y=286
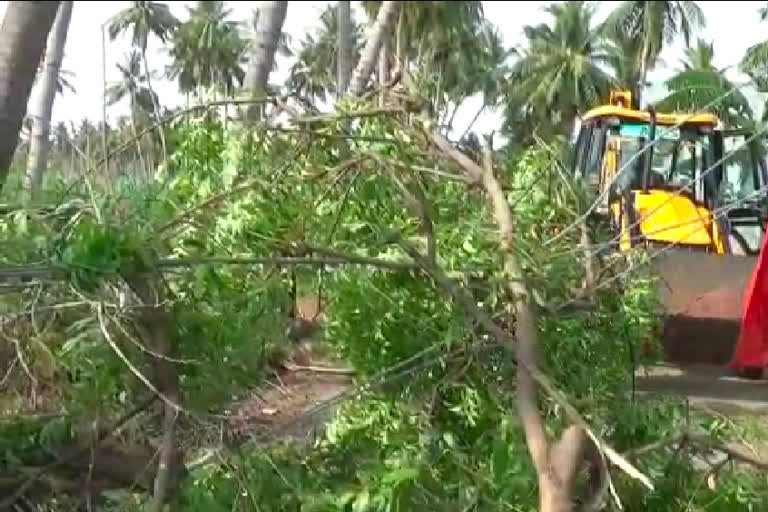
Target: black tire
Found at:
x=750, y=372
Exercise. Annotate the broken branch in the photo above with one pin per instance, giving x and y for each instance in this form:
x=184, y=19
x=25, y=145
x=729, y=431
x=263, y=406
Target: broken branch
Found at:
x=290, y=261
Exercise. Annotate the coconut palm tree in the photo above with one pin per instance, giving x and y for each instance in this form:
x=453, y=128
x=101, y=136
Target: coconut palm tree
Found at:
x=655, y=23
x=283, y=42
x=344, y=45
x=43, y=106
x=450, y=50
x=482, y=67
x=63, y=80
x=698, y=83
x=24, y=32
x=261, y=60
x=61, y=137
x=142, y=19
x=475, y=61
x=692, y=89
x=560, y=71
x=133, y=86
x=207, y=50
x=426, y=30
x=625, y=49
x=755, y=63
x=699, y=57
x=380, y=30
x=314, y=75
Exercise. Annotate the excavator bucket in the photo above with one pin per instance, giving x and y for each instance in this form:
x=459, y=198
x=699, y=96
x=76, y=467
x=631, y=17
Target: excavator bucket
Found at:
x=702, y=295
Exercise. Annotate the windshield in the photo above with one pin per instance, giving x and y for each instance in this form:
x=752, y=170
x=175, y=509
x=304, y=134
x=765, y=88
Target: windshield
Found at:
x=739, y=176
x=679, y=155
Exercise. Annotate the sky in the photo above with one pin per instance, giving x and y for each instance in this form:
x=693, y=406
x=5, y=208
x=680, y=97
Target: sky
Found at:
x=733, y=26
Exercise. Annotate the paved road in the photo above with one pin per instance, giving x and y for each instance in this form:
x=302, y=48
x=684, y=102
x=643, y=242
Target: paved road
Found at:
x=712, y=386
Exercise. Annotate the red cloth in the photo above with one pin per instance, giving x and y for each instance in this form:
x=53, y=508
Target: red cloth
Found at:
x=752, y=347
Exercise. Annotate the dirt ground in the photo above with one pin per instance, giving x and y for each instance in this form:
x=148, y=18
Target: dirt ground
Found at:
x=299, y=399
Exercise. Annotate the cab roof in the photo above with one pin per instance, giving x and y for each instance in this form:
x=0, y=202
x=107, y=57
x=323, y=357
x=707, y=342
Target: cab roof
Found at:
x=643, y=116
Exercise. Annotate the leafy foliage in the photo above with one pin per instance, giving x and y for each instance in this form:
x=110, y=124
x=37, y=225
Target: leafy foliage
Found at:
x=133, y=85
x=559, y=71
x=692, y=90
x=435, y=428
x=207, y=49
x=433, y=425
x=755, y=63
x=143, y=19
x=313, y=75
x=656, y=24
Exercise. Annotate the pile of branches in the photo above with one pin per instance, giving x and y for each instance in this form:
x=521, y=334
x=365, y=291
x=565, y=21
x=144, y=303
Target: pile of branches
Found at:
x=140, y=291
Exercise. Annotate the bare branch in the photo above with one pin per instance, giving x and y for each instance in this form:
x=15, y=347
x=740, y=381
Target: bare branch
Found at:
x=319, y=369
x=135, y=371
x=416, y=202
x=656, y=445
x=291, y=261
x=734, y=450
x=328, y=118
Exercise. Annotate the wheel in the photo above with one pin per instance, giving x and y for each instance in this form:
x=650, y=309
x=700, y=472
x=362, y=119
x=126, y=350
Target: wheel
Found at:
x=750, y=372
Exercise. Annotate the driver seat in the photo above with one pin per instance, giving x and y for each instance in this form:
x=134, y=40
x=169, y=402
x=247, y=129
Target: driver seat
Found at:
x=746, y=229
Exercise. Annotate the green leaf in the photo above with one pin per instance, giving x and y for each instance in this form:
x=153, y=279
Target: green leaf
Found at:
x=499, y=460
x=361, y=502
x=400, y=475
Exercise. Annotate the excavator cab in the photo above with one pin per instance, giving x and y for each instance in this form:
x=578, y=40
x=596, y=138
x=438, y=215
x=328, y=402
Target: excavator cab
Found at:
x=694, y=195
x=695, y=186
x=743, y=179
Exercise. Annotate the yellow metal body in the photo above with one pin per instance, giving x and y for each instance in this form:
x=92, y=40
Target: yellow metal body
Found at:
x=666, y=218
x=663, y=216
x=701, y=296
x=644, y=117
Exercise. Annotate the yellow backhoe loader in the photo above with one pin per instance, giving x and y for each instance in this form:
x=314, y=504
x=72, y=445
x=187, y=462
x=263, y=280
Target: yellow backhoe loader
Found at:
x=694, y=195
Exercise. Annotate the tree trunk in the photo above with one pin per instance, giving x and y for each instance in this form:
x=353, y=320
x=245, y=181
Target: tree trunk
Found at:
x=384, y=69
x=568, y=124
x=472, y=123
x=23, y=33
x=136, y=137
x=643, y=73
x=378, y=33
x=400, y=43
x=43, y=106
x=269, y=26
x=384, y=59
x=344, y=45
x=155, y=325
x=155, y=106
x=104, y=126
